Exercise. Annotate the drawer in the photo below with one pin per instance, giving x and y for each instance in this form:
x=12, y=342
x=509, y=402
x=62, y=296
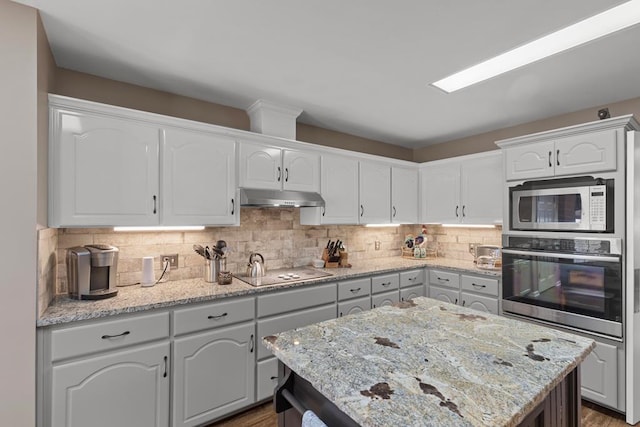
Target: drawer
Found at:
x=411, y=278
x=281, y=302
x=384, y=283
x=354, y=306
x=267, y=378
x=386, y=298
x=290, y=321
x=108, y=335
x=354, y=288
x=444, y=278
x=483, y=285
x=212, y=315
x=412, y=292
x=480, y=303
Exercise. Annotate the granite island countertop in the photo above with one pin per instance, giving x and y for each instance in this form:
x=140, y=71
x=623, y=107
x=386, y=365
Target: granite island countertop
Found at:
x=132, y=299
x=426, y=362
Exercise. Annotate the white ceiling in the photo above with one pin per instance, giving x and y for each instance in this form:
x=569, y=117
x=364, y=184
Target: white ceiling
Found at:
x=356, y=66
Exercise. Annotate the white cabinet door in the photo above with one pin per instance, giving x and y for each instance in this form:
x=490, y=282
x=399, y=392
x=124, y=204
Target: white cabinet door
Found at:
x=260, y=166
x=440, y=188
x=599, y=375
x=443, y=294
x=587, y=153
x=386, y=298
x=127, y=388
x=354, y=306
x=103, y=171
x=529, y=161
x=198, y=179
x=267, y=378
x=301, y=171
x=480, y=303
x=482, y=185
x=375, y=193
x=404, y=196
x=214, y=374
x=412, y=292
x=339, y=189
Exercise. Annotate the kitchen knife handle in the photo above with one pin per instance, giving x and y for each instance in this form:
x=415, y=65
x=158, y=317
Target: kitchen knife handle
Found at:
x=286, y=174
x=279, y=173
x=550, y=159
x=155, y=204
x=558, y=157
x=251, y=344
x=361, y=210
x=219, y=316
x=233, y=206
x=106, y=337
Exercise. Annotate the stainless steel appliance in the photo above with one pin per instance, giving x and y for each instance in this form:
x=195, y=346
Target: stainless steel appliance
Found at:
x=276, y=198
x=92, y=271
x=576, y=283
x=582, y=204
x=285, y=275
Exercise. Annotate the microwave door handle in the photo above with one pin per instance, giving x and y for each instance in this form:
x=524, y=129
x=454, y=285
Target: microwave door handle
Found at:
x=563, y=256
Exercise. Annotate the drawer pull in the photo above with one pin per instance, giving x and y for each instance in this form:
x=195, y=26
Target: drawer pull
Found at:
x=273, y=378
x=411, y=279
x=385, y=284
x=219, y=316
x=106, y=337
x=355, y=291
x=443, y=280
x=478, y=286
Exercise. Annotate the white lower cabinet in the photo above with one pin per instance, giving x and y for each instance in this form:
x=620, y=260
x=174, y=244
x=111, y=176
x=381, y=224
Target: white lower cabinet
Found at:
x=213, y=374
x=444, y=294
x=412, y=292
x=267, y=378
x=599, y=375
x=354, y=306
x=125, y=388
x=385, y=298
x=477, y=292
x=480, y=303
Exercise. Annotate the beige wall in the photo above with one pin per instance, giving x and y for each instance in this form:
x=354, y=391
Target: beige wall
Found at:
x=18, y=188
x=86, y=86
x=486, y=141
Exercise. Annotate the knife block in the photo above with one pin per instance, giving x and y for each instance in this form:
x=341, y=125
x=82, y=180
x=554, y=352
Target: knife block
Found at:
x=330, y=262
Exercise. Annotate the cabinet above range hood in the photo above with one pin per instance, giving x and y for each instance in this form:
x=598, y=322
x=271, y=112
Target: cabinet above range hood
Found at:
x=279, y=198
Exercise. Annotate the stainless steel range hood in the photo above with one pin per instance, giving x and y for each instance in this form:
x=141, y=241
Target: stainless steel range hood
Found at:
x=283, y=198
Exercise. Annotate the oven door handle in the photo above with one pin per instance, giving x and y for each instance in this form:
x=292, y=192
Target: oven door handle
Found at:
x=563, y=256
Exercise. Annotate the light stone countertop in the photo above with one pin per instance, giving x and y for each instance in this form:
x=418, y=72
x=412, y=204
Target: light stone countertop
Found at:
x=426, y=362
x=131, y=299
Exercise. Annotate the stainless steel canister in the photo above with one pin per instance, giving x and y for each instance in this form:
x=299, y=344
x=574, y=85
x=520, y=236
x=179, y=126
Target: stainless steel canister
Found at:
x=211, y=270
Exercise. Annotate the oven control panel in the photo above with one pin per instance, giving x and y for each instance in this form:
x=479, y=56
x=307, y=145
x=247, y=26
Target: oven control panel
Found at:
x=598, y=207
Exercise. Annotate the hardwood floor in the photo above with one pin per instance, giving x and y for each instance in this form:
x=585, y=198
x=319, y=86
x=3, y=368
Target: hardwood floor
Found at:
x=264, y=416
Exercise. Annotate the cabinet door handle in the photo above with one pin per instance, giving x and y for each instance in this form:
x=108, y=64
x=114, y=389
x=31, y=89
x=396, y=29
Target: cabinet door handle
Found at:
x=219, y=316
x=463, y=214
x=155, y=204
x=394, y=211
x=279, y=173
x=323, y=210
x=273, y=378
x=251, y=344
x=361, y=210
x=550, y=159
x=340, y=314
x=286, y=174
x=165, y=367
x=475, y=285
x=106, y=337
x=456, y=211
x=463, y=302
x=233, y=206
x=456, y=302
x=558, y=157
x=355, y=291
x=443, y=280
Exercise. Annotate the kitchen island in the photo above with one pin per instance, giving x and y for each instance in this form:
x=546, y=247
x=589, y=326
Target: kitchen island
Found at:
x=428, y=363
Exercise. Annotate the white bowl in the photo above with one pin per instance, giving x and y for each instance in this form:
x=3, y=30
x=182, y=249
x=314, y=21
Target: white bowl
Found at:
x=318, y=263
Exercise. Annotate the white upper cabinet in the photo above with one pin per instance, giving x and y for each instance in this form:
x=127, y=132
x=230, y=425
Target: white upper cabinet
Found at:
x=103, y=171
x=339, y=189
x=374, y=193
x=198, y=179
x=576, y=154
x=466, y=190
x=270, y=167
x=404, y=195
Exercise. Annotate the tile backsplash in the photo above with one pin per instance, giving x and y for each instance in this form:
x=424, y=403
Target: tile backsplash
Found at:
x=276, y=233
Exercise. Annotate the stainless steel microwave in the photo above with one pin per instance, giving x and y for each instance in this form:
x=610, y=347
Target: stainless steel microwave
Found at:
x=572, y=204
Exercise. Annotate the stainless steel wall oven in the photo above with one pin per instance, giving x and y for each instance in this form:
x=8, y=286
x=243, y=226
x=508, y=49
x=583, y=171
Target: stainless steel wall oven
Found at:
x=570, y=282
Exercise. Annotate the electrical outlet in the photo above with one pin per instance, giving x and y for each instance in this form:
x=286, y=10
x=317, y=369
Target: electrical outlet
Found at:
x=173, y=260
x=377, y=244
x=472, y=247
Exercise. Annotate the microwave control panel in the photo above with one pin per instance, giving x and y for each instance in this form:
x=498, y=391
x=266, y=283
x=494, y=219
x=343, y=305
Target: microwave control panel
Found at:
x=598, y=207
